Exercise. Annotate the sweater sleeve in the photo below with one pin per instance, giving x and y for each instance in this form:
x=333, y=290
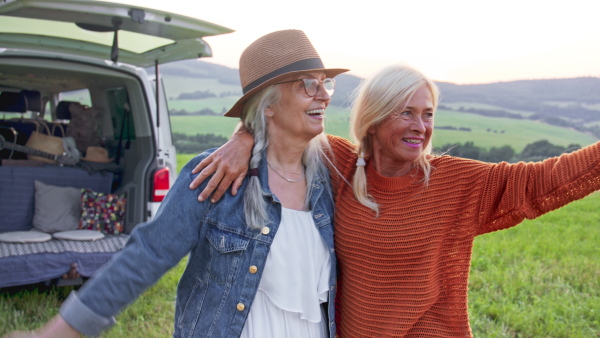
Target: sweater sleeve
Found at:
x=514, y=192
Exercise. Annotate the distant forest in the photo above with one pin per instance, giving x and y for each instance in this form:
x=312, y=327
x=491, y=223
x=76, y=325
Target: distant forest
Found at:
x=535, y=151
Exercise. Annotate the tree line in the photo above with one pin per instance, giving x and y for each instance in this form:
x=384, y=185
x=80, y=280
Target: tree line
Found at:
x=535, y=151
x=195, y=144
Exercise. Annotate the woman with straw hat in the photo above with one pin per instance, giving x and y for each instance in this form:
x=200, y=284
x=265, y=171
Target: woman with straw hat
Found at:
x=405, y=226
x=262, y=263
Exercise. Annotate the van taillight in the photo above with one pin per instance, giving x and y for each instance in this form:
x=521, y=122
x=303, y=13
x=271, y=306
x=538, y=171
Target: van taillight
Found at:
x=161, y=185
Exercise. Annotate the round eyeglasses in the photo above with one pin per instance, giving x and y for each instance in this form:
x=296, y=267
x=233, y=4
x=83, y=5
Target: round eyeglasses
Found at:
x=311, y=85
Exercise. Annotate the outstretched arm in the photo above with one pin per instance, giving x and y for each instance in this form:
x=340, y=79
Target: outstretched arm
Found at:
x=229, y=164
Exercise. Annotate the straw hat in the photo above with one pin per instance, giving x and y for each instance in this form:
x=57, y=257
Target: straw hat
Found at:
x=46, y=143
x=274, y=57
x=96, y=154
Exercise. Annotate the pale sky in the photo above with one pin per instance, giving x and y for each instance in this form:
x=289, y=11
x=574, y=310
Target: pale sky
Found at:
x=460, y=41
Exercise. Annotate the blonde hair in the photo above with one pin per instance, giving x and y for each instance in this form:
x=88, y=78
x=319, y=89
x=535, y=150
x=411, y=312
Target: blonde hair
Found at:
x=376, y=99
x=253, y=118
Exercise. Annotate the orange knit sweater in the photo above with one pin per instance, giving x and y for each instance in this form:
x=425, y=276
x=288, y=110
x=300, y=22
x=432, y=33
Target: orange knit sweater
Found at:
x=405, y=273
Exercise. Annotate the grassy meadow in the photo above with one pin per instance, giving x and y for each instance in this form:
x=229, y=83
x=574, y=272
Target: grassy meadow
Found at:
x=502, y=131
x=539, y=279
x=517, y=133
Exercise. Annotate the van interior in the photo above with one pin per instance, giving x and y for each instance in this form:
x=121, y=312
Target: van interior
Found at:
x=40, y=95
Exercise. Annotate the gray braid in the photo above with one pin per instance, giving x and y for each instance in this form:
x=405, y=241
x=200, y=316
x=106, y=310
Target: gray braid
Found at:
x=255, y=207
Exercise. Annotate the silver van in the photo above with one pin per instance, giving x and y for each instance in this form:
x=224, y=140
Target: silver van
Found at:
x=72, y=74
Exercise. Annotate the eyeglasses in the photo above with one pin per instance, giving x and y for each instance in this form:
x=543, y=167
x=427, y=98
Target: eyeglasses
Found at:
x=311, y=85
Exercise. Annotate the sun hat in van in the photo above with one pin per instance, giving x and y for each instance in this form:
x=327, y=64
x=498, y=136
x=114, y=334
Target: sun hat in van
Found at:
x=96, y=154
x=273, y=57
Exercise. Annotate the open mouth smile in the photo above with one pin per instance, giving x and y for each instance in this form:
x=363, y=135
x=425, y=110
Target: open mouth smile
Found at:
x=315, y=112
x=412, y=142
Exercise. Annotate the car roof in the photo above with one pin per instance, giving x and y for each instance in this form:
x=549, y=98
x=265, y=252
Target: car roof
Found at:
x=87, y=28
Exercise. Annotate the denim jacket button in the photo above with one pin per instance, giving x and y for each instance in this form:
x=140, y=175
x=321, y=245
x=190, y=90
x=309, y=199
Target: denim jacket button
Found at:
x=253, y=269
x=265, y=230
x=240, y=307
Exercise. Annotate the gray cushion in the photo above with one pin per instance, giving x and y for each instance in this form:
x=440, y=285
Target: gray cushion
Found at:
x=56, y=208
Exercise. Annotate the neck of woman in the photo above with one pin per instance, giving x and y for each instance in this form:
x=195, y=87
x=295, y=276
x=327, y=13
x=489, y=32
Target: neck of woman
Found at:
x=391, y=168
x=286, y=155
x=286, y=175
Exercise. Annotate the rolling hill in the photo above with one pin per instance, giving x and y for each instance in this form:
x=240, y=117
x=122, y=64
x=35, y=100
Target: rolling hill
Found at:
x=563, y=111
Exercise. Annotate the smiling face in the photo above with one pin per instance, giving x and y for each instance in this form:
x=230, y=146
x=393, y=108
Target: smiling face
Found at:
x=298, y=115
x=400, y=138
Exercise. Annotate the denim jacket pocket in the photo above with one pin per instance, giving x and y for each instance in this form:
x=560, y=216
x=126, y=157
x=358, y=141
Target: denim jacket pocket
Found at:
x=226, y=252
x=321, y=220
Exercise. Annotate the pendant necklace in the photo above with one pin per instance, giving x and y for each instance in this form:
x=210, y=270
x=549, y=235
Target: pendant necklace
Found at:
x=285, y=178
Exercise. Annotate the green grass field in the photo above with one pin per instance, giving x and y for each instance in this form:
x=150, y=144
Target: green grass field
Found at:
x=539, y=279
x=517, y=133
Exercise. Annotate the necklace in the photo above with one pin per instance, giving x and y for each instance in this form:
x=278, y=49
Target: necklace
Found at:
x=285, y=178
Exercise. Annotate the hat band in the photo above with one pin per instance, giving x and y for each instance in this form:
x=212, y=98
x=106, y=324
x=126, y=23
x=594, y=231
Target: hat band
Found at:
x=306, y=64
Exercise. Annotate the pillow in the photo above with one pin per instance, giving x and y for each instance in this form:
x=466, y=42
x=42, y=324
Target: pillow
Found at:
x=102, y=212
x=79, y=235
x=56, y=208
x=24, y=237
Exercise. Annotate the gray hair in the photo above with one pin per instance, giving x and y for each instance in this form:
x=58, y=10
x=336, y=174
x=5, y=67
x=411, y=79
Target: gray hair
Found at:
x=253, y=118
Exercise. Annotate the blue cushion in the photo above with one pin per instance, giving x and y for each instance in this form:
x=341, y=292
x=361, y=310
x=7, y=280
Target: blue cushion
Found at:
x=17, y=190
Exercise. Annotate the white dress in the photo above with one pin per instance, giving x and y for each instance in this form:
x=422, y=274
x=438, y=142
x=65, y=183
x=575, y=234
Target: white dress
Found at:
x=294, y=283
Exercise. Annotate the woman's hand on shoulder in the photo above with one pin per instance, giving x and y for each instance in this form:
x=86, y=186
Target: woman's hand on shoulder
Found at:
x=227, y=165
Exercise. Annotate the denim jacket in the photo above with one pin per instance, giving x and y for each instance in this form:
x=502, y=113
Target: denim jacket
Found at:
x=226, y=260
